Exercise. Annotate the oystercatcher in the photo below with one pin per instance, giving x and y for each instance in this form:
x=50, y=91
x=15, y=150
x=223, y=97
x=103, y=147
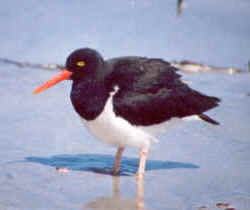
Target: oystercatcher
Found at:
x=126, y=101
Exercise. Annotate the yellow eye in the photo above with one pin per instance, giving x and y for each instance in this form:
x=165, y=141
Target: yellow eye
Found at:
x=80, y=63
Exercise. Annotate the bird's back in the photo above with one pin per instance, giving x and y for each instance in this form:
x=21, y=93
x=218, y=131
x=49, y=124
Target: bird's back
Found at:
x=151, y=92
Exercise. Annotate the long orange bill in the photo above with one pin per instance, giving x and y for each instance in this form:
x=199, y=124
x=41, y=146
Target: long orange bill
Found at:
x=65, y=74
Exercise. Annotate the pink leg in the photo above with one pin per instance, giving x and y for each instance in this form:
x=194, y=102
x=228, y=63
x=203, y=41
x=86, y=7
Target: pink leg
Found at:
x=118, y=156
x=142, y=164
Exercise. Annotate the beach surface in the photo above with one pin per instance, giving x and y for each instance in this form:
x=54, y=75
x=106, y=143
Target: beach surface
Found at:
x=195, y=165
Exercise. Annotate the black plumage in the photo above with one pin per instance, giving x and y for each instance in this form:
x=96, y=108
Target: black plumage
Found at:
x=118, y=96
x=150, y=90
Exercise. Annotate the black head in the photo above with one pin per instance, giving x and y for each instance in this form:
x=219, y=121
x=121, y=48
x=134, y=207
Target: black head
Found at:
x=84, y=62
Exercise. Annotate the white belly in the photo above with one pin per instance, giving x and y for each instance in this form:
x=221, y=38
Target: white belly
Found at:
x=115, y=131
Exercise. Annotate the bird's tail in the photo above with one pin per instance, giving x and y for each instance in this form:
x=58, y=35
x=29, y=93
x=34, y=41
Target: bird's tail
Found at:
x=208, y=119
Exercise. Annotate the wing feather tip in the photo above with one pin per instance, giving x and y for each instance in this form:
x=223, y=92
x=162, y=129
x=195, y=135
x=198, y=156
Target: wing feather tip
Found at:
x=208, y=119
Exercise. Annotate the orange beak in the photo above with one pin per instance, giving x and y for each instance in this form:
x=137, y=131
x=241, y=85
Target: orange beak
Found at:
x=65, y=74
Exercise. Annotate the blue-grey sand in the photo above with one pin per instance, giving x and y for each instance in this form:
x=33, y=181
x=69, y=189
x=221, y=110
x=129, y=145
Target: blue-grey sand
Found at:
x=194, y=165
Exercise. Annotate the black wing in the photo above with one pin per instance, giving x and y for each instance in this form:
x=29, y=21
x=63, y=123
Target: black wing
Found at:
x=150, y=92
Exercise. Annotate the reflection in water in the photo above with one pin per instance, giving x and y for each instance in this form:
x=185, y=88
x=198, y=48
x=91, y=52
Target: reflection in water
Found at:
x=179, y=6
x=140, y=193
x=99, y=163
x=116, y=202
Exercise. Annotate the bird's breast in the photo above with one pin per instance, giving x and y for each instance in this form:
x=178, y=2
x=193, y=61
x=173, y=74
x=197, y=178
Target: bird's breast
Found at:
x=116, y=131
x=89, y=99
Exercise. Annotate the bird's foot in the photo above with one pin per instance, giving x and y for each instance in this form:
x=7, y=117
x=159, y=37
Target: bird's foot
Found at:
x=115, y=172
x=62, y=170
x=139, y=175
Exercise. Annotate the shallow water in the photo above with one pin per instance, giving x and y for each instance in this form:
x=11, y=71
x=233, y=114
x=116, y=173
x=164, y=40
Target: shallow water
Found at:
x=194, y=164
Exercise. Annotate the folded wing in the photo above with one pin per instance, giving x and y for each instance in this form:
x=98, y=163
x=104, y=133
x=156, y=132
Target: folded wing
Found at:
x=151, y=92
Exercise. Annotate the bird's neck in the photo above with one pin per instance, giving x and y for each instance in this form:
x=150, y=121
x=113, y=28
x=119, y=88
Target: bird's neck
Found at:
x=89, y=97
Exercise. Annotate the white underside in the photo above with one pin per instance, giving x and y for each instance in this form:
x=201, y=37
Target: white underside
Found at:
x=115, y=131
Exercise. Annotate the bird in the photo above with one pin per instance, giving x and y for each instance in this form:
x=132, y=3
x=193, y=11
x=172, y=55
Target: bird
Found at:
x=128, y=101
